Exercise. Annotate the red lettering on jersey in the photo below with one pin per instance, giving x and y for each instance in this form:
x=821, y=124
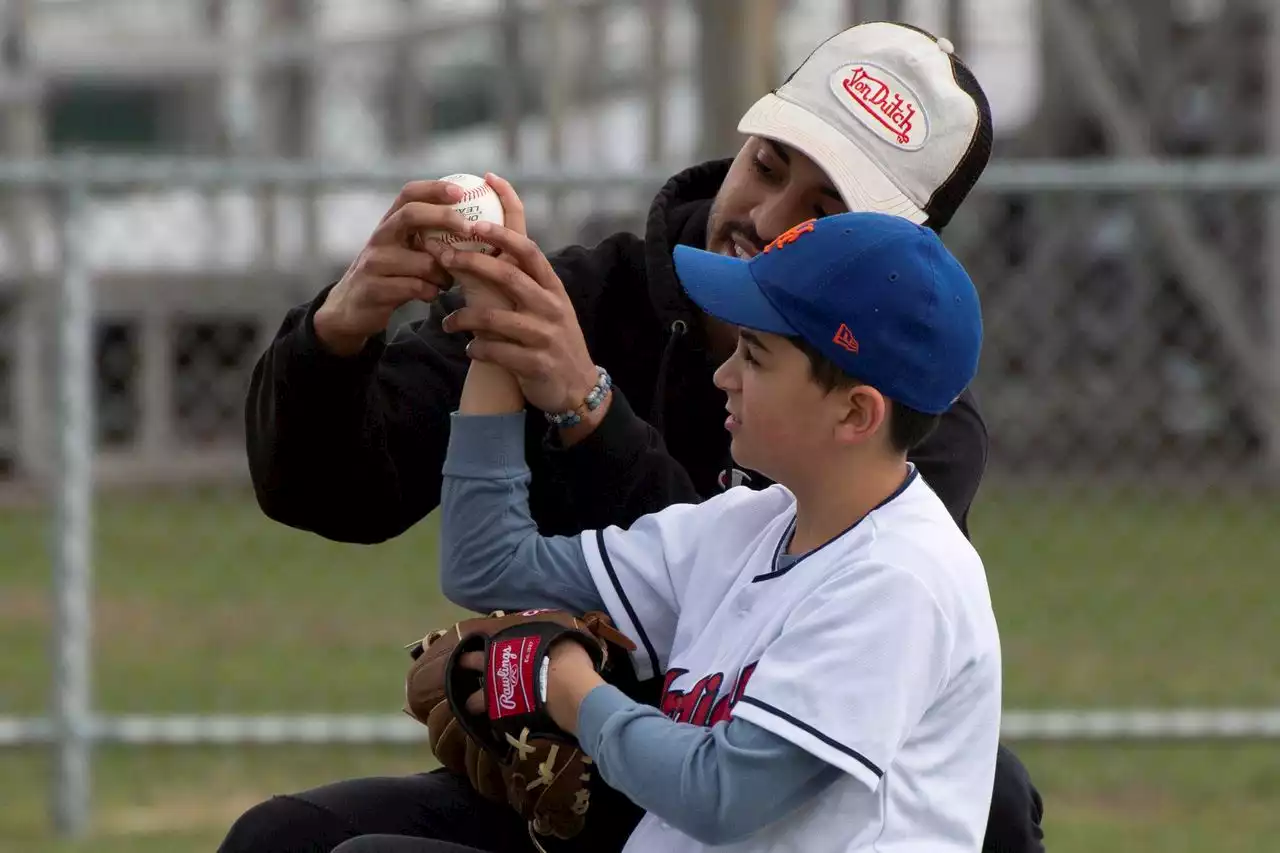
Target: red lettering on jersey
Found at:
x=724, y=708
x=709, y=688
x=743, y=678
x=672, y=700
x=690, y=698
x=700, y=705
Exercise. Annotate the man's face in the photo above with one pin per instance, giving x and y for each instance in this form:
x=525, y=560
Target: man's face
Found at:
x=770, y=187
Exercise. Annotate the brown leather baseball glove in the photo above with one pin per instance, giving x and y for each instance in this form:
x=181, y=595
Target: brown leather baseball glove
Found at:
x=512, y=754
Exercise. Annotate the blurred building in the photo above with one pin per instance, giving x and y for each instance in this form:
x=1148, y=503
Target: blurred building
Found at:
x=1086, y=294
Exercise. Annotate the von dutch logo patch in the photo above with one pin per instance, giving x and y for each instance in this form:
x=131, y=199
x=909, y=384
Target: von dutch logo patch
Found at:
x=883, y=103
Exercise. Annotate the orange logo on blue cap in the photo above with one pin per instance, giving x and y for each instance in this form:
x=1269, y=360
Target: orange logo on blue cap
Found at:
x=844, y=338
x=786, y=238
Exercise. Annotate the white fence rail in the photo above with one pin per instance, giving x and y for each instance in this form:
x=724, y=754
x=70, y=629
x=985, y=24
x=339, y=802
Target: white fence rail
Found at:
x=1159, y=724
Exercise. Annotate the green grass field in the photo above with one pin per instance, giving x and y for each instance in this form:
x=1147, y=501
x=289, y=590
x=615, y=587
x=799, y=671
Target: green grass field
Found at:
x=204, y=605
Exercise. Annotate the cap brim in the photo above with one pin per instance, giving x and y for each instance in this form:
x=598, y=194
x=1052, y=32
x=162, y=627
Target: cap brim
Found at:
x=725, y=288
x=860, y=182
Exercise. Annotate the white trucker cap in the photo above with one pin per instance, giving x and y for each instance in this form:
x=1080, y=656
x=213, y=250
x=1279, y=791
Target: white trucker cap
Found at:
x=896, y=121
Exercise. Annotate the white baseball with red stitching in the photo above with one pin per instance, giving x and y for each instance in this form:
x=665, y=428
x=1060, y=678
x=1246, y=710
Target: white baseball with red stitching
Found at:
x=479, y=204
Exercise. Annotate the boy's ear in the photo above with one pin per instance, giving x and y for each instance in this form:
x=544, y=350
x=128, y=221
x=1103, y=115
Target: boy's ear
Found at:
x=865, y=411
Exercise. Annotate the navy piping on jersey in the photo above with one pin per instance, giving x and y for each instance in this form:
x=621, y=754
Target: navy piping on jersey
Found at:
x=803, y=726
x=791, y=529
x=626, y=603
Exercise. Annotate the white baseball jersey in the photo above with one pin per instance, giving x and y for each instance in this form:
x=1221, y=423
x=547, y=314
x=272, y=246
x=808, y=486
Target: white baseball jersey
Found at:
x=877, y=652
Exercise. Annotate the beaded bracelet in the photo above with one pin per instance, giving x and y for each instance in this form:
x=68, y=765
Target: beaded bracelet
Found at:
x=595, y=397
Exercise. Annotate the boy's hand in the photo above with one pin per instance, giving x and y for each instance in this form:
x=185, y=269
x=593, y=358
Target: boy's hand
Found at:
x=570, y=678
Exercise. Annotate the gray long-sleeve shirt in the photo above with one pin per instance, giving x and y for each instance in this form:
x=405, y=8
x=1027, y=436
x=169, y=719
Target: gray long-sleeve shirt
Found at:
x=716, y=784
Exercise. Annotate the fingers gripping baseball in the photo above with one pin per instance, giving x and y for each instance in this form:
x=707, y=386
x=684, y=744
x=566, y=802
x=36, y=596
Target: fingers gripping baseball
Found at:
x=432, y=192
x=482, y=203
x=512, y=206
x=392, y=269
x=406, y=225
x=393, y=261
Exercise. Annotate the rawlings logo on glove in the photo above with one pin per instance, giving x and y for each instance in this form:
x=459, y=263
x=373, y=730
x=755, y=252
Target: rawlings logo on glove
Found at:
x=511, y=662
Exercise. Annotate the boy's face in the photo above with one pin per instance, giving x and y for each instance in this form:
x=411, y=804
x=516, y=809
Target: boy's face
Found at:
x=784, y=424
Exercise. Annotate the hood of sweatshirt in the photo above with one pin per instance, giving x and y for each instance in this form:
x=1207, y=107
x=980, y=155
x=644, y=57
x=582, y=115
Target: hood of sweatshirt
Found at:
x=687, y=408
x=678, y=216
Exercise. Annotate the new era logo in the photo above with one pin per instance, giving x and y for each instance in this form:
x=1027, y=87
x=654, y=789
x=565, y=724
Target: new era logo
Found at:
x=844, y=338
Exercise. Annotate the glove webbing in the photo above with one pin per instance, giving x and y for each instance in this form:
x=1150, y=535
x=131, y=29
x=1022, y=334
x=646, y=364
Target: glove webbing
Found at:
x=546, y=776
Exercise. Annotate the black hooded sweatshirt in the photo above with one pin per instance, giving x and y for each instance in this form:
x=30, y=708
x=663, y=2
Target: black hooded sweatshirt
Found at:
x=352, y=448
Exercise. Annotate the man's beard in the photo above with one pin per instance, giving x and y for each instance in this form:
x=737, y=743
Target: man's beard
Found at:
x=723, y=237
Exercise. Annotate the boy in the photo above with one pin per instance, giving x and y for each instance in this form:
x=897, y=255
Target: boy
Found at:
x=831, y=660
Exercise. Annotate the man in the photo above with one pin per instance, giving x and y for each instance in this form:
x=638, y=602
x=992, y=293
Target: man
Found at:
x=347, y=431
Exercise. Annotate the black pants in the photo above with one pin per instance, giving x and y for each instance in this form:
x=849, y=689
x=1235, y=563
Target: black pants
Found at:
x=438, y=805
x=400, y=844
x=427, y=808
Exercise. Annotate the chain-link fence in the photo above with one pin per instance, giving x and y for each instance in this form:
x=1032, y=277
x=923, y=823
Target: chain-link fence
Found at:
x=1127, y=517
x=169, y=656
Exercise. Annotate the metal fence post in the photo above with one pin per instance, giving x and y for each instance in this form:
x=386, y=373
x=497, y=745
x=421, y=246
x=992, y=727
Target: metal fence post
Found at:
x=72, y=544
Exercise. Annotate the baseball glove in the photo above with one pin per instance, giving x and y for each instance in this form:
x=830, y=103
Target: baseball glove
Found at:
x=513, y=752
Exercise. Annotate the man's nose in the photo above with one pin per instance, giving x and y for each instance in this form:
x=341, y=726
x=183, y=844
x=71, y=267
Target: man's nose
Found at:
x=775, y=214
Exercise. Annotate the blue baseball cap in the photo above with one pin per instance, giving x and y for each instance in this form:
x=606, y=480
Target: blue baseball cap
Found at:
x=878, y=295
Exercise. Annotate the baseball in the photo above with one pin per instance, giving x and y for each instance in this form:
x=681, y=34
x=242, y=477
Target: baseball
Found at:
x=479, y=204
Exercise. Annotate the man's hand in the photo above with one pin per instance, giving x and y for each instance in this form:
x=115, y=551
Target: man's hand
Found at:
x=570, y=677
x=393, y=268
x=540, y=341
